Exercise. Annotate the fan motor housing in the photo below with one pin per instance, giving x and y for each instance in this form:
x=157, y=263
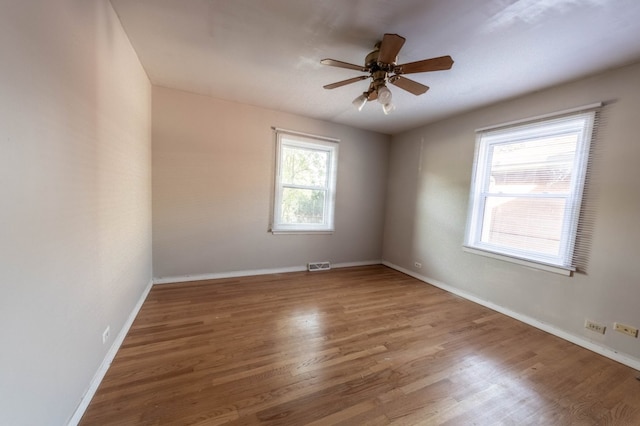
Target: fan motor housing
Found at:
x=371, y=61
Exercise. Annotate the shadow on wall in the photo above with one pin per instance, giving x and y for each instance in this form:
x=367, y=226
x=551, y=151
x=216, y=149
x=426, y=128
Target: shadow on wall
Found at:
x=441, y=201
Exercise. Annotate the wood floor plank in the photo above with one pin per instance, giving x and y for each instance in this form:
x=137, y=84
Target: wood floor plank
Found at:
x=353, y=346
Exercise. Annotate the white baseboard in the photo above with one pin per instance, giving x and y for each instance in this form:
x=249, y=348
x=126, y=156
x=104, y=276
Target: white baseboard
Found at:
x=108, y=359
x=578, y=340
x=252, y=272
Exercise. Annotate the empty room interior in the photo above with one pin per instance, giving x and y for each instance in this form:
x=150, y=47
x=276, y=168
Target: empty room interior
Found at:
x=328, y=212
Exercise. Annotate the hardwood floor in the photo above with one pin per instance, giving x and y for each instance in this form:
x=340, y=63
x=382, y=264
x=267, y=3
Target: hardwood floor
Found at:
x=356, y=346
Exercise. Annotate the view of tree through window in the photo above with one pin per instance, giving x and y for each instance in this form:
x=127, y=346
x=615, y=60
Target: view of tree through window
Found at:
x=305, y=183
x=304, y=177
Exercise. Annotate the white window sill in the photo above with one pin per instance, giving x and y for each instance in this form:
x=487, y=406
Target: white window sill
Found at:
x=529, y=263
x=286, y=231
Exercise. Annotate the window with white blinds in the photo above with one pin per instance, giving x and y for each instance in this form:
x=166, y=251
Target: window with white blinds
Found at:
x=527, y=188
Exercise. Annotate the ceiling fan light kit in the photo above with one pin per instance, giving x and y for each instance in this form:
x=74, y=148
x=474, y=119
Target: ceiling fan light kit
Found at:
x=382, y=68
x=360, y=101
x=384, y=95
x=387, y=108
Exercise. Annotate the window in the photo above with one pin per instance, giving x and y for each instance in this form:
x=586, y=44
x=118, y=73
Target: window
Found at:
x=305, y=183
x=527, y=188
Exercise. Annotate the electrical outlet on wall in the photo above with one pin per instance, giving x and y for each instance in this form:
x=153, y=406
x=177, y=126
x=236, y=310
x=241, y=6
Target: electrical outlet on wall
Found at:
x=626, y=329
x=105, y=334
x=594, y=326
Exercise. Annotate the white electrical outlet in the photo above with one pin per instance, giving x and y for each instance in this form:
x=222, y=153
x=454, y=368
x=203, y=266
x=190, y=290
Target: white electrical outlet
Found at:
x=105, y=335
x=594, y=326
x=417, y=265
x=626, y=329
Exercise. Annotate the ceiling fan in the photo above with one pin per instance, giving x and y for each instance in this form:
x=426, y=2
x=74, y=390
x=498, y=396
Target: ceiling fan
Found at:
x=382, y=68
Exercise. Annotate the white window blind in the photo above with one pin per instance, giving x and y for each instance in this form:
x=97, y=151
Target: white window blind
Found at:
x=527, y=188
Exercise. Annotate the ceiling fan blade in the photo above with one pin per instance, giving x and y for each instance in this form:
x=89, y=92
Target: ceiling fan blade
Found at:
x=345, y=82
x=408, y=85
x=340, y=64
x=434, y=64
x=389, y=48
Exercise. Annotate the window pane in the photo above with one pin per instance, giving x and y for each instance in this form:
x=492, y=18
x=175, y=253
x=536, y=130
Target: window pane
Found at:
x=302, y=206
x=529, y=224
x=527, y=188
x=302, y=166
x=538, y=166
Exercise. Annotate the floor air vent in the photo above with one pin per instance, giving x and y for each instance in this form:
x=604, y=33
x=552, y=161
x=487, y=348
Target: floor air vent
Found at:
x=318, y=266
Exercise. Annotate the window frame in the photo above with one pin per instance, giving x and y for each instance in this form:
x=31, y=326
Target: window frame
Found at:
x=304, y=141
x=580, y=122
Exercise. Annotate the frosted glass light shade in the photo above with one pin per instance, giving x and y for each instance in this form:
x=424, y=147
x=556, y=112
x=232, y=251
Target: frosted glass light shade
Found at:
x=388, y=107
x=359, y=102
x=384, y=95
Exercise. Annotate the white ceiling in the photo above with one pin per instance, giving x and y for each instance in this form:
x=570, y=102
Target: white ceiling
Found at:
x=267, y=52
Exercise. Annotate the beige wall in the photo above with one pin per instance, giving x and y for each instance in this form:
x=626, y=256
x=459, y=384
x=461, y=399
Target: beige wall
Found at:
x=213, y=170
x=430, y=172
x=75, y=188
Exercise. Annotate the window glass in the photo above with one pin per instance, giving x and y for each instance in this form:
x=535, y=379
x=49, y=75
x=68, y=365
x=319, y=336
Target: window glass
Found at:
x=303, y=166
x=305, y=184
x=527, y=188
